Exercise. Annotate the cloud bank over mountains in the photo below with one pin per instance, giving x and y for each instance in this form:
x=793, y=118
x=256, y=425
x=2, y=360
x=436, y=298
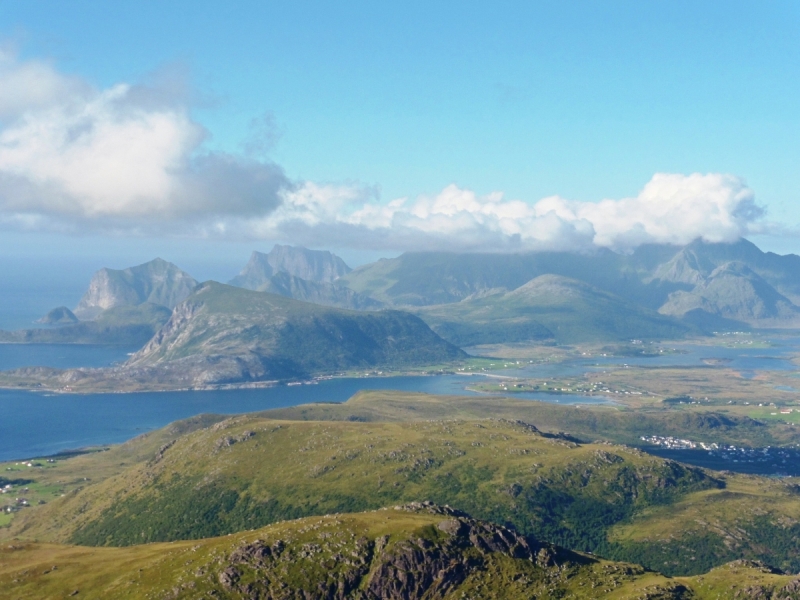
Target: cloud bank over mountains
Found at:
x=671, y=208
x=130, y=159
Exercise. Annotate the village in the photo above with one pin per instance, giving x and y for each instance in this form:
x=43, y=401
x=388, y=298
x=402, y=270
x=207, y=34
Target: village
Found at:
x=734, y=454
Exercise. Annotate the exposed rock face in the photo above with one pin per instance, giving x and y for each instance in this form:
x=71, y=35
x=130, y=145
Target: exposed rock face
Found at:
x=312, y=265
x=157, y=282
x=422, y=566
x=59, y=316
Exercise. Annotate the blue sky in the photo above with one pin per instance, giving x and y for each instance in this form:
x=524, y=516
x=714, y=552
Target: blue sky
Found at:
x=378, y=101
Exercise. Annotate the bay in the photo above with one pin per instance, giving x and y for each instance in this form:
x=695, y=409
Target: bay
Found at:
x=40, y=424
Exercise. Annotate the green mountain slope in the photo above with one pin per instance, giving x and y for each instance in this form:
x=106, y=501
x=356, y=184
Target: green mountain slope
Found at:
x=408, y=552
x=247, y=471
x=429, y=278
x=156, y=282
x=548, y=307
x=273, y=337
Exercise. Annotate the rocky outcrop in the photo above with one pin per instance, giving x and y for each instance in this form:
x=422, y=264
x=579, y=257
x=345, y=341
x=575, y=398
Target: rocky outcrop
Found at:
x=428, y=564
x=158, y=282
x=312, y=265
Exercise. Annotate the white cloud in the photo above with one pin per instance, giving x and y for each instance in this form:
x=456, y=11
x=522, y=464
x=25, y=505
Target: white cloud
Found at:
x=671, y=208
x=128, y=156
x=129, y=159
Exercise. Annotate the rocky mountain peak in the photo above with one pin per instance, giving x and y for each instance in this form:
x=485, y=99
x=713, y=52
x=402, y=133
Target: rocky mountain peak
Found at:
x=157, y=281
x=318, y=266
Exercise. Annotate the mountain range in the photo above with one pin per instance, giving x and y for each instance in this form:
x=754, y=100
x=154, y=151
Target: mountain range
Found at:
x=547, y=308
x=657, y=291
x=308, y=313
x=706, y=284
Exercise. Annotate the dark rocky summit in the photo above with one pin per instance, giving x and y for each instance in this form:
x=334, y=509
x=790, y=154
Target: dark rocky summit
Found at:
x=59, y=316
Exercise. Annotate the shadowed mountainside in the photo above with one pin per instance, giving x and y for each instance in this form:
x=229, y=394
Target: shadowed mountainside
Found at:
x=549, y=307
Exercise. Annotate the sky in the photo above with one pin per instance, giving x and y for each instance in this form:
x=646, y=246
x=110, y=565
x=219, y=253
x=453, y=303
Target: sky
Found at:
x=200, y=131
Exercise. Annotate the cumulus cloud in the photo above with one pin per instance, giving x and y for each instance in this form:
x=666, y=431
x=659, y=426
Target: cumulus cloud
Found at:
x=130, y=159
x=671, y=209
x=126, y=157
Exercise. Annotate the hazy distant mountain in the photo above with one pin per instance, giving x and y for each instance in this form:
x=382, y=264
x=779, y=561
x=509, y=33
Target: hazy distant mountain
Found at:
x=695, y=262
x=685, y=281
x=59, y=316
x=223, y=333
x=318, y=292
x=548, y=307
x=158, y=282
x=122, y=325
x=734, y=291
x=312, y=265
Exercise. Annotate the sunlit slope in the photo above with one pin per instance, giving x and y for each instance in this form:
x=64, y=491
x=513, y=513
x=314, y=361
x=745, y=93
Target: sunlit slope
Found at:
x=587, y=421
x=224, y=333
x=403, y=552
x=548, y=307
x=247, y=471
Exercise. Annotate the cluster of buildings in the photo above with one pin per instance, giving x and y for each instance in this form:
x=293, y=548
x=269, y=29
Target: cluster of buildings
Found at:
x=737, y=454
x=16, y=504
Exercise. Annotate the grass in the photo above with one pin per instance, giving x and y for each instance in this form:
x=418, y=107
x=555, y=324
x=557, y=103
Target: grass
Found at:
x=316, y=552
x=249, y=471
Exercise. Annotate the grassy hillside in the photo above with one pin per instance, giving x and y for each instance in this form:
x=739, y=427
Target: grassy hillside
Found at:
x=587, y=422
x=248, y=471
x=410, y=551
x=549, y=306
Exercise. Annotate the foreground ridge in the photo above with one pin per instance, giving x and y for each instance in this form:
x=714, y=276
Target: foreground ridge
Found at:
x=417, y=550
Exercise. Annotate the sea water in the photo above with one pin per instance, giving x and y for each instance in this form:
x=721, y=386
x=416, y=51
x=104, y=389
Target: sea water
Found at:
x=40, y=424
